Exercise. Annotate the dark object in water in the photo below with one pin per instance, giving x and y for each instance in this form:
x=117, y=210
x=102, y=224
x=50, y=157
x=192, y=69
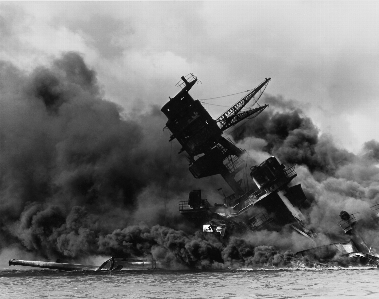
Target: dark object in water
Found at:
x=119, y=263
x=51, y=265
x=112, y=264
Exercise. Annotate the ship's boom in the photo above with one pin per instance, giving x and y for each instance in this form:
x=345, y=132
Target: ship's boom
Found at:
x=229, y=116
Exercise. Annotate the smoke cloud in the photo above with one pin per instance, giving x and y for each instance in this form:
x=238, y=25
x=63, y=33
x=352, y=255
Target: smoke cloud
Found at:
x=292, y=137
x=333, y=179
x=73, y=166
x=80, y=176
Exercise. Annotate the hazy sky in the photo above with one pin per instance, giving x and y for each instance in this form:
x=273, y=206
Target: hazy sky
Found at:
x=322, y=54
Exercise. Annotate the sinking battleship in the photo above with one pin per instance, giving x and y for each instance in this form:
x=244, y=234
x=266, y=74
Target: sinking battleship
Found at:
x=270, y=203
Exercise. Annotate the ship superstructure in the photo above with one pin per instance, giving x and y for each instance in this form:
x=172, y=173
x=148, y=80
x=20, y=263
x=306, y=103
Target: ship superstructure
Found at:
x=270, y=203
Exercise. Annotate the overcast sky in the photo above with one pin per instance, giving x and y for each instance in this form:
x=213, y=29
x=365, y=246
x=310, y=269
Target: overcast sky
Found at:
x=322, y=54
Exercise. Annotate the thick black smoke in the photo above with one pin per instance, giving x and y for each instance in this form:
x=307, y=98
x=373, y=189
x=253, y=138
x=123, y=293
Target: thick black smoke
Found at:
x=81, y=177
x=333, y=179
x=74, y=169
x=293, y=138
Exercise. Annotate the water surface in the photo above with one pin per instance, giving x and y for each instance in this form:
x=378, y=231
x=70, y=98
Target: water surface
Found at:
x=244, y=283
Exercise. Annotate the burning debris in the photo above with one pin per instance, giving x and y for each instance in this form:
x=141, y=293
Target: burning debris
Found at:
x=78, y=177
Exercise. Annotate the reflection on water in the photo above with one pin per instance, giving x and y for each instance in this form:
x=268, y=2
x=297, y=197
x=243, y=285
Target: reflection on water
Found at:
x=300, y=283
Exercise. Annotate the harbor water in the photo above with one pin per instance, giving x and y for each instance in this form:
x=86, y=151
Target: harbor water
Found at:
x=242, y=283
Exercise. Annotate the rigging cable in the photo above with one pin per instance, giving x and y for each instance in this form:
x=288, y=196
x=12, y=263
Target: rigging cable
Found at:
x=232, y=94
x=228, y=95
x=223, y=106
x=214, y=104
